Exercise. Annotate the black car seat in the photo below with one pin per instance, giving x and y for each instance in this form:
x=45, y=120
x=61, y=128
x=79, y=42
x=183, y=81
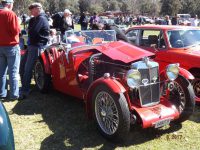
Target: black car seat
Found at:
x=175, y=39
x=153, y=40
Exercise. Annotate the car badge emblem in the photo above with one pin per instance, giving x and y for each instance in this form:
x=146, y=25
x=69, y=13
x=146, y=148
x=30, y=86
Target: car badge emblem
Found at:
x=154, y=79
x=145, y=81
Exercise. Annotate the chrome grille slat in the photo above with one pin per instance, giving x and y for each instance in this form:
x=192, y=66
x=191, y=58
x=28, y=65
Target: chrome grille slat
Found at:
x=149, y=93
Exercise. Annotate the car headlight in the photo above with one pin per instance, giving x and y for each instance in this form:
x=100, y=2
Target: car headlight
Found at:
x=172, y=71
x=133, y=78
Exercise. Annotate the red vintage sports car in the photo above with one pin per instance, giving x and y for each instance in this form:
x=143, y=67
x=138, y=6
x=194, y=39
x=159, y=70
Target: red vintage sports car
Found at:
x=171, y=44
x=119, y=83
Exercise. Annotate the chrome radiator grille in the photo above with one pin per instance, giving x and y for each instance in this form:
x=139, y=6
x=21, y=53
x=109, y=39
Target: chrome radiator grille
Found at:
x=149, y=88
x=149, y=93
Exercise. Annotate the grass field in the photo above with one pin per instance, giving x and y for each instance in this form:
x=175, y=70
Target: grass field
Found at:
x=58, y=122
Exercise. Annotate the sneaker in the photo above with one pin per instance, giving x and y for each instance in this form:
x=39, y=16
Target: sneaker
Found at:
x=2, y=99
x=14, y=98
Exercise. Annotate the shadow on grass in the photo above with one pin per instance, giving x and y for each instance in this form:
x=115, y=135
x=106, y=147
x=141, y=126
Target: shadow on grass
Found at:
x=66, y=118
x=196, y=115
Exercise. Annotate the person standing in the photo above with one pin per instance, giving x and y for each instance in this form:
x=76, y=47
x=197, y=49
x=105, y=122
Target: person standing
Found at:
x=94, y=20
x=167, y=21
x=195, y=21
x=66, y=22
x=38, y=34
x=83, y=21
x=9, y=50
x=175, y=20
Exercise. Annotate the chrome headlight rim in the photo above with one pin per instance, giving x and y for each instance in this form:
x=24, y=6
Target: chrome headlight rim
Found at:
x=133, y=78
x=172, y=71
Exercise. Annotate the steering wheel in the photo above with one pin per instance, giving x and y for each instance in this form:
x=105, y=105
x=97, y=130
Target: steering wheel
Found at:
x=179, y=43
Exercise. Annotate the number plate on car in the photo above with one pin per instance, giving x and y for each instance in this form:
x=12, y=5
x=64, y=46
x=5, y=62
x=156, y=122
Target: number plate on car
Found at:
x=162, y=123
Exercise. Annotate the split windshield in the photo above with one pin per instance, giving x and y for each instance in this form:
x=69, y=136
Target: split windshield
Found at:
x=91, y=37
x=183, y=38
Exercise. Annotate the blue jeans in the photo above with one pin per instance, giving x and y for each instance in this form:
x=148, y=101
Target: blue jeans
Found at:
x=33, y=54
x=9, y=60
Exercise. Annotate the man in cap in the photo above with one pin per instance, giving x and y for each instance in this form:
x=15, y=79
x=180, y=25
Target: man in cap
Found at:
x=9, y=50
x=38, y=33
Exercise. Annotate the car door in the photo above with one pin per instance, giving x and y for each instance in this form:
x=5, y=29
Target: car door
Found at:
x=59, y=67
x=133, y=36
x=151, y=40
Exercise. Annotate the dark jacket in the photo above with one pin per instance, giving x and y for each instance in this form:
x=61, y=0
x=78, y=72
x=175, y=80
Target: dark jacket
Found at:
x=64, y=26
x=83, y=20
x=38, y=30
x=119, y=33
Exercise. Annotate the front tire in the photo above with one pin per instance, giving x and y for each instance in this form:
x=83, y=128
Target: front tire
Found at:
x=183, y=97
x=42, y=80
x=111, y=113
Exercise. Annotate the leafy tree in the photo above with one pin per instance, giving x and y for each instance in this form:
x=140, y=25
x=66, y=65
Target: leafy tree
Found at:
x=189, y=6
x=170, y=7
x=106, y=5
x=114, y=5
x=84, y=5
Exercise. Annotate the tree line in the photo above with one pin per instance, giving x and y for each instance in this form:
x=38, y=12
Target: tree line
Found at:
x=144, y=7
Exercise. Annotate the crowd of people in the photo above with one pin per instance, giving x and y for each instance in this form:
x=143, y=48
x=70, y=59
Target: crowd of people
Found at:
x=38, y=36
x=41, y=29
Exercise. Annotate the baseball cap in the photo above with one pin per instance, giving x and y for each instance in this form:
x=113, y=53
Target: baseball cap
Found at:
x=67, y=11
x=8, y=1
x=34, y=5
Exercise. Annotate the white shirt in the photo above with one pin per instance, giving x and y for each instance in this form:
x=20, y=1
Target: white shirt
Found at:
x=194, y=22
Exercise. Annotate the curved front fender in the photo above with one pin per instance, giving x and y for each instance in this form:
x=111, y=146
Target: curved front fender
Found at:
x=113, y=84
x=6, y=132
x=185, y=73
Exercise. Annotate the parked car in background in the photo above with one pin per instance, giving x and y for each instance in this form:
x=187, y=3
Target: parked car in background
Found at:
x=171, y=44
x=119, y=83
x=6, y=132
x=184, y=19
x=148, y=20
x=159, y=21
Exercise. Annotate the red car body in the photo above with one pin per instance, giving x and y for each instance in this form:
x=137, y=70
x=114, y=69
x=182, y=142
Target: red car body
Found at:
x=97, y=74
x=186, y=55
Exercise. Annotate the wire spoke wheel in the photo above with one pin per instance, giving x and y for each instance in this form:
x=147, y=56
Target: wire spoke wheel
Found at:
x=182, y=96
x=177, y=95
x=106, y=113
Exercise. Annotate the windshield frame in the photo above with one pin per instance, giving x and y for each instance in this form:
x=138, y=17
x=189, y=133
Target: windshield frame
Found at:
x=107, y=36
x=179, y=30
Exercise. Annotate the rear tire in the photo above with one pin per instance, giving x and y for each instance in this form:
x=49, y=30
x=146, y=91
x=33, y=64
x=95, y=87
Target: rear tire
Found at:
x=42, y=79
x=183, y=97
x=111, y=113
x=196, y=86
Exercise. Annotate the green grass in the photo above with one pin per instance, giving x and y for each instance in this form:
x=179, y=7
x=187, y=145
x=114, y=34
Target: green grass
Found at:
x=77, y=27
x=58, y=122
